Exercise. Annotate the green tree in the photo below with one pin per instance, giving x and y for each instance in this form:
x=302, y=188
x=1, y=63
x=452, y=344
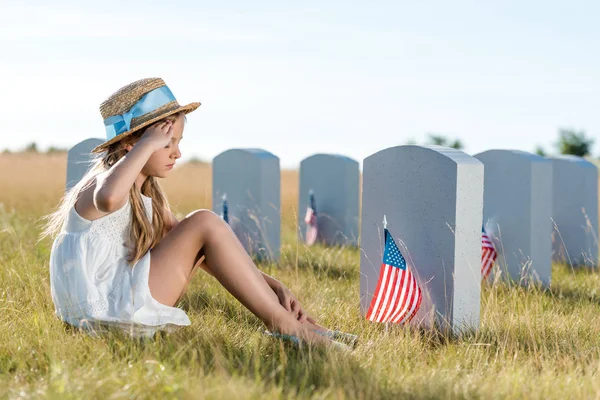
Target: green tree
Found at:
x=539, y=150
x=441, y=140
x=31, y=147
x=574, y=142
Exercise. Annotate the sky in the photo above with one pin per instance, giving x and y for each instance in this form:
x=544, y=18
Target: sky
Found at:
x=303, y=77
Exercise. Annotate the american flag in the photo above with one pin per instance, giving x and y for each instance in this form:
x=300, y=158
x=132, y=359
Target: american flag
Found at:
x=488, y=255
x=397, y=297
x=224, y=208
x=310, y=219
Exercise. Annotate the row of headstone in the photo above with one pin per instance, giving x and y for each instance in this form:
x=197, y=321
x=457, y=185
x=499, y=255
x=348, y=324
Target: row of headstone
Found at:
x=436, y=201
x=555, y=194
x=247, y=183
x=538, y=210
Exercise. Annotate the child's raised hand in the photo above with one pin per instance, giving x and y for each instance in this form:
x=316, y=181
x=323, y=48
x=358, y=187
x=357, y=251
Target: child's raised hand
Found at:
x=158, y=135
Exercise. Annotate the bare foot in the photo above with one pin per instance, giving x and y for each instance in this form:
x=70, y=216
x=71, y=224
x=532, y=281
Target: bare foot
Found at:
x=303, y=332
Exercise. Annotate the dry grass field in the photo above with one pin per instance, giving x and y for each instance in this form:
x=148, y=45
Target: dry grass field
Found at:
x=532, y=343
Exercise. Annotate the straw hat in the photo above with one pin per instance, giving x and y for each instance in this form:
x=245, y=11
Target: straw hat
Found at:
x=136, y=106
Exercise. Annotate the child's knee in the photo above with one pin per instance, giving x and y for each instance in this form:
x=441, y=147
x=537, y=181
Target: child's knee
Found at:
x=207, y=221
x=201, y=215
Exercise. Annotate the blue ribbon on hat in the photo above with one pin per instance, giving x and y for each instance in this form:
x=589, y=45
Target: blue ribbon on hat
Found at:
x=151, y=101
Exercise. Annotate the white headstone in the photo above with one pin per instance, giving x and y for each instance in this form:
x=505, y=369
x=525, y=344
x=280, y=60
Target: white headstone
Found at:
x=432, y=197
x=250, y=178
x=516, y=213
x=575, y=211
x=334, y=180
x=78, y=160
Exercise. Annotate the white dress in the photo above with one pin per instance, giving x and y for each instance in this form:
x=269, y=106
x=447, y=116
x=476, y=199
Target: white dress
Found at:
x=92, y=285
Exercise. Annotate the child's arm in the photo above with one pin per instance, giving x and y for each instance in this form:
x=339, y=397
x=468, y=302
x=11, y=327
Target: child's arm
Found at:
x=112, y=186
x=272, y=282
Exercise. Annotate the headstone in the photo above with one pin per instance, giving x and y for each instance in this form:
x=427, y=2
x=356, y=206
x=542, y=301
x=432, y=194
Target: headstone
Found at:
x=250, y=179
x=516, y=214
x=79, y=160
x=574, y=211
x=432, y=197
x=334, y=180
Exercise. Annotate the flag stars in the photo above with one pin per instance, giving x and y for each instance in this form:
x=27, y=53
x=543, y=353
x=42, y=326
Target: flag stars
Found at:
x=392, y=255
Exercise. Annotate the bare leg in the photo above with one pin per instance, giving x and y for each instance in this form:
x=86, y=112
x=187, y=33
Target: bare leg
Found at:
x=312, y=325
x=204, y=233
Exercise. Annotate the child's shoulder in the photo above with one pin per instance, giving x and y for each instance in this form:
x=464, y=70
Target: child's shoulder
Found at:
x=84, y=203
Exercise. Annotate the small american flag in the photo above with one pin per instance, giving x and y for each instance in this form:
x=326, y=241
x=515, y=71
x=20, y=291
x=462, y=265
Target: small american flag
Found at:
x=224, y=208
x=312, y=229
x=488, y=255
x=397, y=297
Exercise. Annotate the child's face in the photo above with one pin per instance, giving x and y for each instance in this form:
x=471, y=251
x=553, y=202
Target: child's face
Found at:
x=161, y=162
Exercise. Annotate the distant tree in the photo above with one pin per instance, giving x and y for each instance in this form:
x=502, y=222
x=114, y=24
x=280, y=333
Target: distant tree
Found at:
x=440, y=140
x=195, y=160
x=411, y=141
x=539, y=150
x=437, y=140
x=54, y=149
x=574, y=142
x=31, y=147
x=457, y=144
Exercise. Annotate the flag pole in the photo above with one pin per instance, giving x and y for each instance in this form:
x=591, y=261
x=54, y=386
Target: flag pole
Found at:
x=384, y=222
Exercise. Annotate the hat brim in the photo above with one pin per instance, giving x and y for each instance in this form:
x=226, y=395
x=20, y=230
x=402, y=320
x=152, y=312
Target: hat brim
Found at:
x=188, y=108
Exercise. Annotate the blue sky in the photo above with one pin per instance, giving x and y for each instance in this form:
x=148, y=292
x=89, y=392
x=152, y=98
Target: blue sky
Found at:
x=297, y=78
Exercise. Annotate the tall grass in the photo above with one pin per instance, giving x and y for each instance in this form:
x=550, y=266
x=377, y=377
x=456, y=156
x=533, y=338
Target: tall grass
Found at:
x=532, y=343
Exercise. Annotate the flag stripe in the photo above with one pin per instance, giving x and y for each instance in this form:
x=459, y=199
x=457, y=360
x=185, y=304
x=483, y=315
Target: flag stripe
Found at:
x=415, y=303
x=387, y=298
x=397, y=287
x=400, y=305
x=385, y=291
x=377, y=296
x=488, y=255
x=381, y=293
x=312, y=229
x=400, y=317
x=416, y=307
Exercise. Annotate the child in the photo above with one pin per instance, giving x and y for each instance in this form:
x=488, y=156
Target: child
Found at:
x=121, y=258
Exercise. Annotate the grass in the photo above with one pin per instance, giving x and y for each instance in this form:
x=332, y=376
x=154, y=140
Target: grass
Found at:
x=532, y=343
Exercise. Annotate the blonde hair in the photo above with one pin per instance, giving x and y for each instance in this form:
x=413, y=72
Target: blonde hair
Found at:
x=143, y=234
